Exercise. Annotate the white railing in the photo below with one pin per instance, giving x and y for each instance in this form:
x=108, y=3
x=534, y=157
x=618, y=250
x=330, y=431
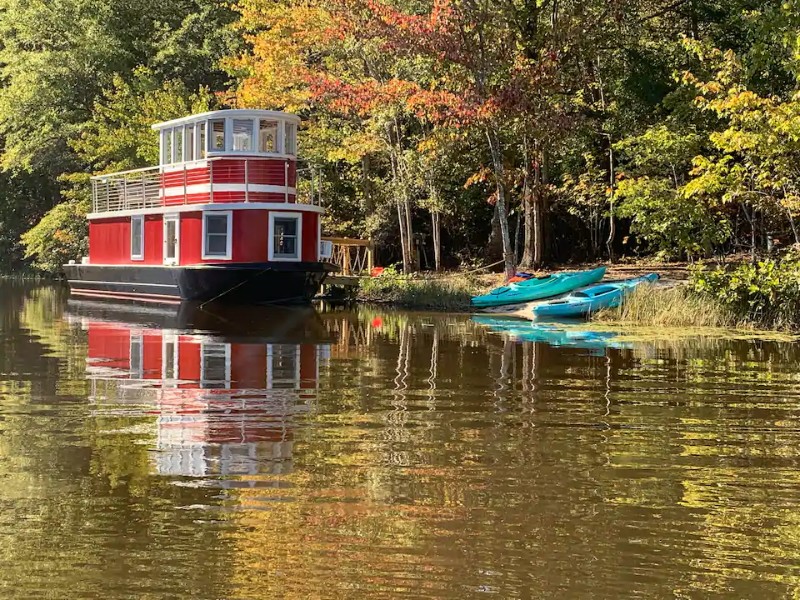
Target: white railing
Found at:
x=127, y=190
x=147, y=188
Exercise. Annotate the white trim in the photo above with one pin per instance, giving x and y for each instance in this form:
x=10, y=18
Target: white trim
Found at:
x=228, y=236
x=205, y=188
x=136, y=283
x=177, y=219
x=270, y=241
x=319, y=238
x=239, y=113
x=140, y=218
x=200, y=207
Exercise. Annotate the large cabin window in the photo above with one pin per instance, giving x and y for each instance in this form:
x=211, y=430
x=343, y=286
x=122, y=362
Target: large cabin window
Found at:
x=177, y=145
x=285, y=236
x=137, y=238
x=267, y=135
x=243, y=135
x=217, y=232
x=167, y=157
x=290, y=138
x=217, y=136
x=201, y=137
x=190, y=143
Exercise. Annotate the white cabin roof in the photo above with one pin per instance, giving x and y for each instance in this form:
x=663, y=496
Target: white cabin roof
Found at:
x=242, y=113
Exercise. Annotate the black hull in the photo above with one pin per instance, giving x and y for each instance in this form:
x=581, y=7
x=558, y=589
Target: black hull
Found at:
x=250, y=283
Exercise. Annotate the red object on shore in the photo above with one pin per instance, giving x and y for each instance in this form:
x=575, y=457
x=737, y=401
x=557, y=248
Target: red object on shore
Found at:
x=520, y=277
x=376, y=272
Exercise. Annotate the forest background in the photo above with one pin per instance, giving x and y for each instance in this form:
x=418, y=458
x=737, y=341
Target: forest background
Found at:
x=451, y=132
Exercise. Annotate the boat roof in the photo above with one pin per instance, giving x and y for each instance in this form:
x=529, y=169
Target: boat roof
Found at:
x=241, y=113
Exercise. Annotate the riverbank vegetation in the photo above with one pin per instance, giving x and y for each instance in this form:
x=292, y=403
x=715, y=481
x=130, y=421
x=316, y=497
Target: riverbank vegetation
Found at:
x=764, y=295
x=451, y=133
x=426, y=292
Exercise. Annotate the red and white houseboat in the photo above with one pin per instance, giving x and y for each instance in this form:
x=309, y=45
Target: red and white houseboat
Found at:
x=217, y=219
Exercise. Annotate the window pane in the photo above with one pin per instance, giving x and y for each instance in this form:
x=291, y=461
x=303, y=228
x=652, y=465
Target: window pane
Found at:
x=177, y=155
x=136, y=236
x=217, y=135
x=243, y=134
x=190, y=143
x=201, y=134
x=267, y=136
x=285, y=246
x=285, y=226
x=216, y=244
x=217, y=224
x=290, y=140
x=167, y=147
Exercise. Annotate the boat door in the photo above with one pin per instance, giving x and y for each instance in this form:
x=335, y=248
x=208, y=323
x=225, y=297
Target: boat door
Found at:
x=172, y=238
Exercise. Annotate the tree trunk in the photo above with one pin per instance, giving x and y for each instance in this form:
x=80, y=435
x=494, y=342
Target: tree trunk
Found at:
x=528, y=251
x=612, y=224
x=502, y=213
x=437, y=239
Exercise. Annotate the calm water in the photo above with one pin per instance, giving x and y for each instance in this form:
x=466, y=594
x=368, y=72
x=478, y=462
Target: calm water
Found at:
x=300, y=454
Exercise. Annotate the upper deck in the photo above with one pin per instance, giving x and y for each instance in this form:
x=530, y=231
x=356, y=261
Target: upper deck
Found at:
x=215, y=157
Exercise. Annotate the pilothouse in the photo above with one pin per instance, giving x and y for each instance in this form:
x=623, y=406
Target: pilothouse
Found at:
x=217, y=219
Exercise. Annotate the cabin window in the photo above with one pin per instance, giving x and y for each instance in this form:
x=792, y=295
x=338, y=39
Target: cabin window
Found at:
x=267, y=135
x=290, y=139
x=177, y=145
x=243, y=135
x=137, y=238
x=285, y=236
x=217, y=136
x=201, y=137
x=217, y=231
x=167, y=158
x=190, y=143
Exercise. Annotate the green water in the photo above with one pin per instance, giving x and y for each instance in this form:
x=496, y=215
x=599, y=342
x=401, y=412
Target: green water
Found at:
x=351, y=454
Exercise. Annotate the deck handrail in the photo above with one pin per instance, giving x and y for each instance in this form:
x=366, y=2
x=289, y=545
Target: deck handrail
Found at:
x=147, y=187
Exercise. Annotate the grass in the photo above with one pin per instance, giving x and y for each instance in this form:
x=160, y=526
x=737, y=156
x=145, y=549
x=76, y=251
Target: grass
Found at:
x=450, y=292
x=675, y=306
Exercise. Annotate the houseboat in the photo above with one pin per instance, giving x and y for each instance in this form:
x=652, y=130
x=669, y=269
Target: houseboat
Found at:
x=217, y=219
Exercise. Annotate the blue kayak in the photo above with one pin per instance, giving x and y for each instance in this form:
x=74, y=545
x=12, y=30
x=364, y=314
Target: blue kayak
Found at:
x=591, y=299
x=537, y=288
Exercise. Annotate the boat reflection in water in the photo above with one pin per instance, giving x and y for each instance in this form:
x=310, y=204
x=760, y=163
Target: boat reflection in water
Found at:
x=553, y=334
x=224, y=387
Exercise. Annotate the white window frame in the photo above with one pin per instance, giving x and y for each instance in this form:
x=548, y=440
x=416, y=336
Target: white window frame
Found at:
x=298, y=216
x=229, y=240
x=140, y=219
x=177, y=259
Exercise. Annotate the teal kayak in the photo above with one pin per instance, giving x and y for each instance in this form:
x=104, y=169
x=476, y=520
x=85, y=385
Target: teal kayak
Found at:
x=591, y=299
x=537, y=288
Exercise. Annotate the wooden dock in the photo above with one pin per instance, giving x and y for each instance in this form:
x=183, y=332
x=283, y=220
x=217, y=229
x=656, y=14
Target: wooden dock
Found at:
x=355, y=259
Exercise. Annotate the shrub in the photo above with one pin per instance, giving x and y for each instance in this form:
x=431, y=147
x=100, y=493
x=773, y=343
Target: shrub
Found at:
x=766, y=294
x=59, y=237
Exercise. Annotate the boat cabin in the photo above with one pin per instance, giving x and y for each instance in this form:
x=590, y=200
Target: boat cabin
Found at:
x=224, y=193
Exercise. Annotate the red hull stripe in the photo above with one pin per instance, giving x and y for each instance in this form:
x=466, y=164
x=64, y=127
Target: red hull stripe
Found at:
x=161, y=299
